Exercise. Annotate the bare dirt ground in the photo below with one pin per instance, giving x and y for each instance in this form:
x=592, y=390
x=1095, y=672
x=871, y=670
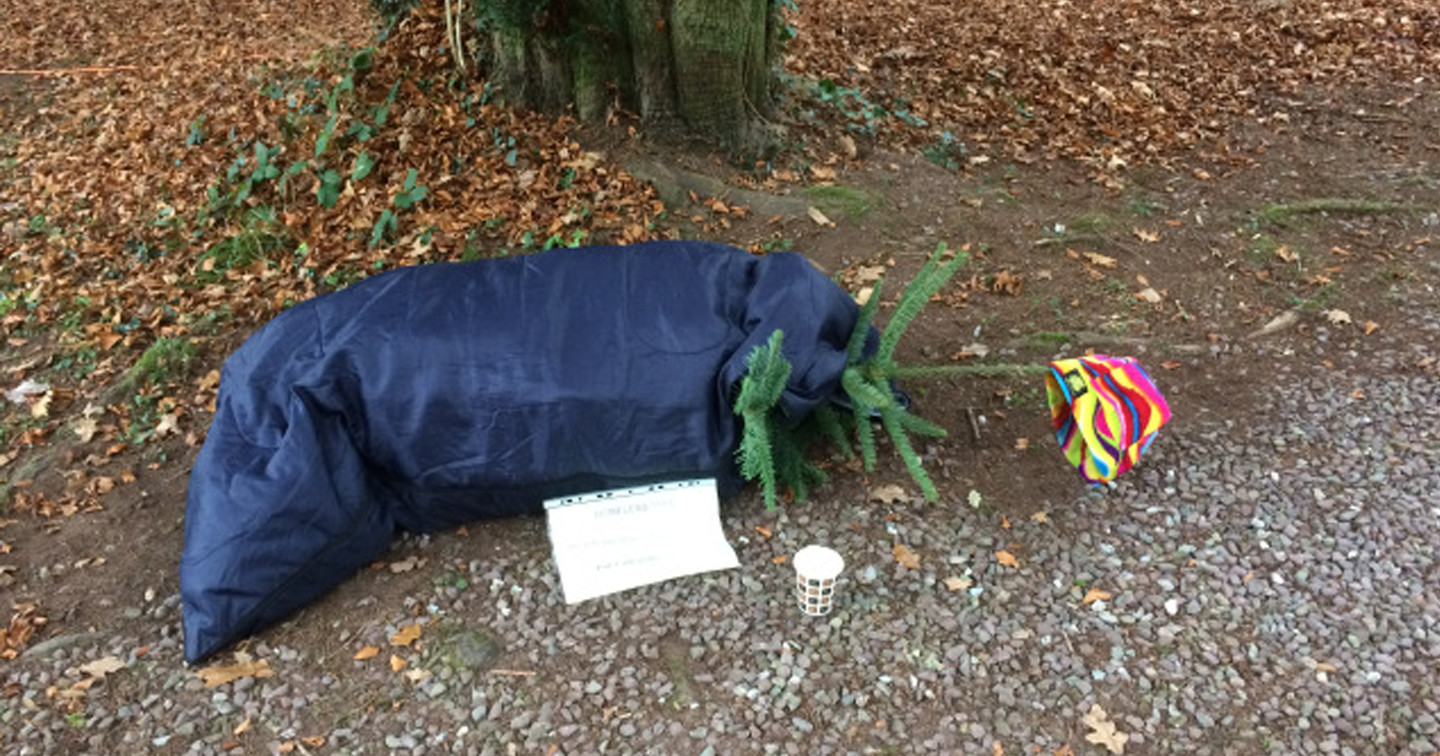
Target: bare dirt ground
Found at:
x=1317, y=215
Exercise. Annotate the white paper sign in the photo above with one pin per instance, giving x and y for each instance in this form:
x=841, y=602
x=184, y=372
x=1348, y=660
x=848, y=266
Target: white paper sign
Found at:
x=611, y=541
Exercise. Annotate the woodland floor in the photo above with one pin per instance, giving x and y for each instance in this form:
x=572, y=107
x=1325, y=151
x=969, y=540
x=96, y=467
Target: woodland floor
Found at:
x=1160, y=182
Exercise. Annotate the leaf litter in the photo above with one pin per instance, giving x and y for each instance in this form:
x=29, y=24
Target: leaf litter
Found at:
x=188, y=126
x=1110, y=84
x=173, y=98
x=172, y=73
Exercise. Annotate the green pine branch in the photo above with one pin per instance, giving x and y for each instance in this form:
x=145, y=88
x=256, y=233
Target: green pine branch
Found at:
x=855, y=350
x=864, y=399
x=775, y=454
x=920, y=426
x=930, y=372
x=833, y=429
x=766, y=373
x=895, y=426
x=932, y=276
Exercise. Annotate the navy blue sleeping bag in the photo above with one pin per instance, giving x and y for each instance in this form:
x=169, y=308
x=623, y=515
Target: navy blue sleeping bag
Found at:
x=426, y=397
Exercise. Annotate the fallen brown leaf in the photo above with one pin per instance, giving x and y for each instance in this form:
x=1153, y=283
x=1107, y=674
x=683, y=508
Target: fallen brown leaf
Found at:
x=405, y=565
x=109, y=339
x=1100, y=260
x=889, y=494
x=956, y=584
x=169, y=424
x=368, y=652
x=1103, y=730
x=1007, y=559
x=102, y=667
x=405, y=635
x=216, y=676
x=906, y=557
x=1007, y=283
x=973, y=350
x=1149, y=295
x=1095, y=594
x=85, y=428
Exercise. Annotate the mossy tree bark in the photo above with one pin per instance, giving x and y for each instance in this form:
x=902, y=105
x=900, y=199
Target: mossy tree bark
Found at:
x=703, y=65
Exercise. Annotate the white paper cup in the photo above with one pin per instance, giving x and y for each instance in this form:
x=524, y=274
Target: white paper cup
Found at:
x=816, y=571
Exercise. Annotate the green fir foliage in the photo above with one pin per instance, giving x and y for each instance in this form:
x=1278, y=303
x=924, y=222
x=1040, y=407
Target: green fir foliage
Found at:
x=767, y=371
x=935, y=274
x=832, y=428
x=774, y=454
x=867, y=379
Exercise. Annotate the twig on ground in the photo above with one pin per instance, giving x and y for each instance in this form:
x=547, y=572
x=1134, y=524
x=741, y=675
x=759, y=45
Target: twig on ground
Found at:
x=974, y=423
x=1281, y=322
x=513, y=672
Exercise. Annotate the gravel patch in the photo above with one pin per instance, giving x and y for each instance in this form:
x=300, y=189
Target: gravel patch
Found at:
x=1269, y=587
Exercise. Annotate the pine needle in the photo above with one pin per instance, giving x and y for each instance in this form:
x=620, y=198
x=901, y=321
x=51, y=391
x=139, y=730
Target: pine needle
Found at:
x=833, y=429
x=767, y=372
x=932, y=276
x=891, y=417
x=855, y=350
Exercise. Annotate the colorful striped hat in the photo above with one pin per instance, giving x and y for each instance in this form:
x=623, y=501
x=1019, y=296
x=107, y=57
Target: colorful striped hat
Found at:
x=1106, y=411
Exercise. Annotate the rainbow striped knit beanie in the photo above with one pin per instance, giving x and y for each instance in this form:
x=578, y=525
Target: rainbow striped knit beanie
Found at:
x=1106, y=412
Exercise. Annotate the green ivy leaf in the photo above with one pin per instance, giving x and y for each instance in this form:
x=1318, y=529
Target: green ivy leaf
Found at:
x=197, y=133
x=412, y=194
x=384, y=224
x=363, y=164
x=406, y=200
x=329, y=191
x=323, y=141
x=264, y=169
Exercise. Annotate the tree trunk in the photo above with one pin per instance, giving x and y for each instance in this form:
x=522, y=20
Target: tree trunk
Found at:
x=704, y=65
